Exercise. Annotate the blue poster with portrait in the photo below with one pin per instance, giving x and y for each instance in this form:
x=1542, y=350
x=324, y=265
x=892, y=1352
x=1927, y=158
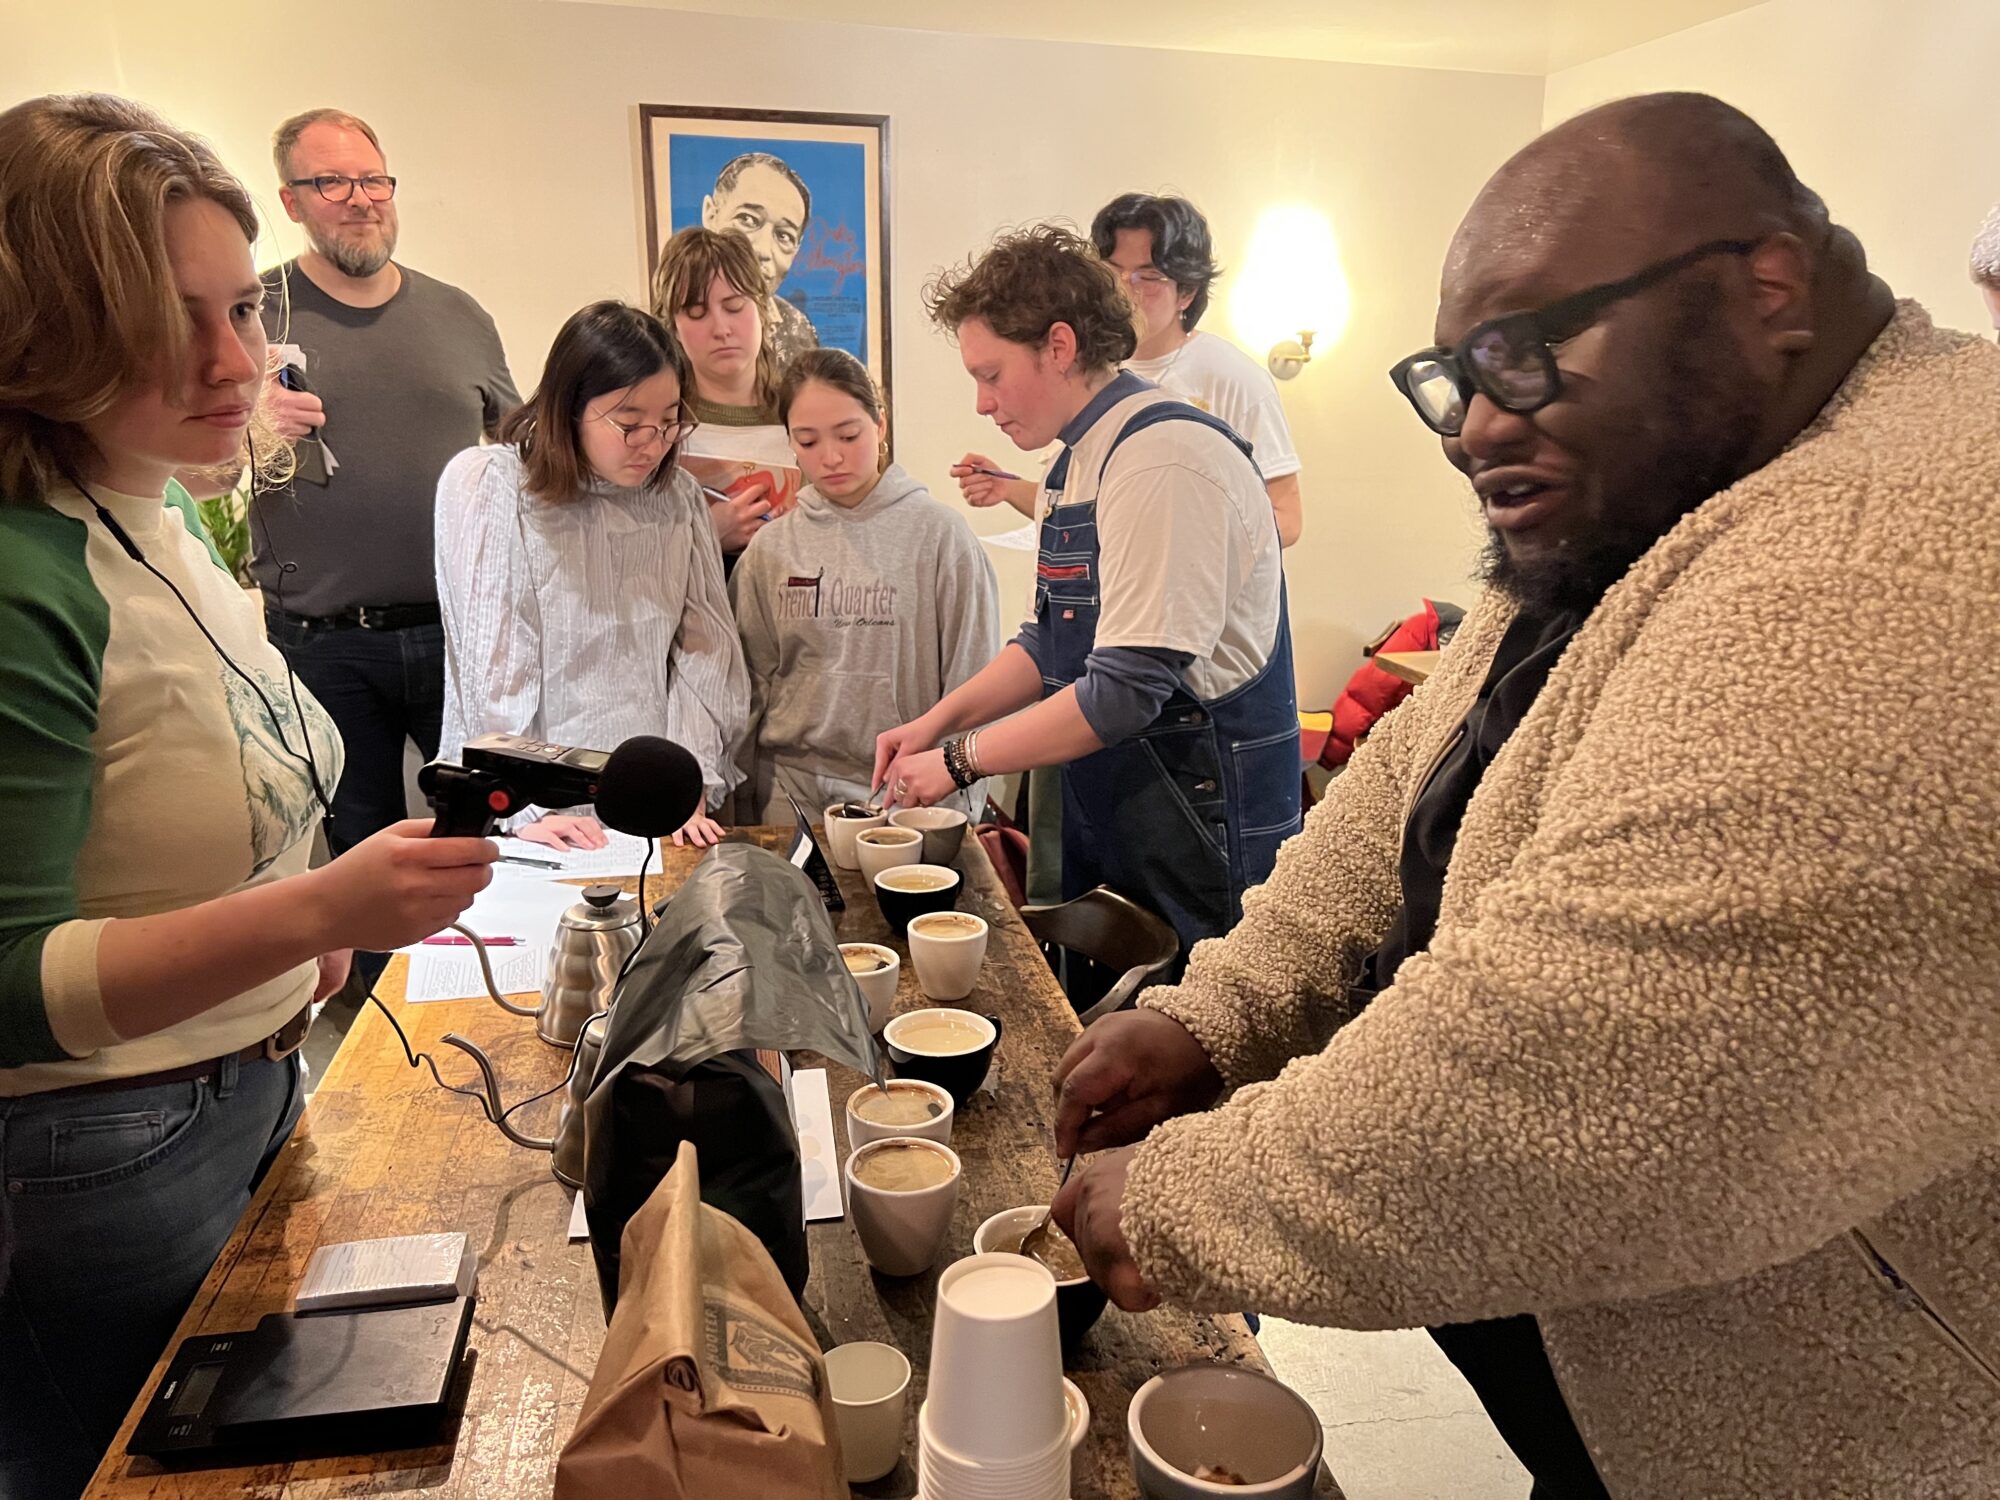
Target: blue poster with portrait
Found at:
x=804, y=207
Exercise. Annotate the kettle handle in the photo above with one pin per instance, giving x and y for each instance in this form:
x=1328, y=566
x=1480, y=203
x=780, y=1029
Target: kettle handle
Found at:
x=486, y=971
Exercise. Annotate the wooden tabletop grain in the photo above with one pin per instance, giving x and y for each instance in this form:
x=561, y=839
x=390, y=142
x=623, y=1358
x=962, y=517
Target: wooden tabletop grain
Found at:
x=383, y=1151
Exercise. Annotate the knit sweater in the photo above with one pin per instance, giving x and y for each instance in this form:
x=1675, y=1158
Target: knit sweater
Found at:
x=1709, y=1031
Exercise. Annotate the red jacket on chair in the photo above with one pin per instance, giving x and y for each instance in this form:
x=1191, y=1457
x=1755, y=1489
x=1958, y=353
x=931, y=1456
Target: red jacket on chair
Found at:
x=1372, y=692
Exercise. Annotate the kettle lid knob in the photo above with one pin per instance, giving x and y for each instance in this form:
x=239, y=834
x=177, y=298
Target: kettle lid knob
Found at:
x=602, y=895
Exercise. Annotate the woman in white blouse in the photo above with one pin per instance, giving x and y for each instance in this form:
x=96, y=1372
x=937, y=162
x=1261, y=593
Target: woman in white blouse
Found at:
x=578, y=575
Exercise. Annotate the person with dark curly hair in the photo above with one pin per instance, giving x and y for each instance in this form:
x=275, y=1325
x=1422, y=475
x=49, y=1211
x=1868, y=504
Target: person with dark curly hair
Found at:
x=1159, y=644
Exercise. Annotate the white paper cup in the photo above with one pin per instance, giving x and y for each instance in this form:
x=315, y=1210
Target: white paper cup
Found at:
x=943, y=829
x=870, y=1384
x=888, y=848
x=947, y=963
x=840, y=834
x=878, y=987
x=945, y=1475
x=902, y=1233
x=995, y=1394
x=860, y=1132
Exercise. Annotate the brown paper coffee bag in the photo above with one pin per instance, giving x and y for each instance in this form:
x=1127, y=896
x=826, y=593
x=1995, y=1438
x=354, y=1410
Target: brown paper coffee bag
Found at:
x=710, y=1385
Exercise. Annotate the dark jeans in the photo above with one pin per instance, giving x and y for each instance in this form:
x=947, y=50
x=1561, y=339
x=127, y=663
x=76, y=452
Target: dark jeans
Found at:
x=1508, y=1368
x=116, y=1205
x=381, y=687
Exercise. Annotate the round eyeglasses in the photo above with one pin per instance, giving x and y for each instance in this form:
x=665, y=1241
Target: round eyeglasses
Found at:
x=642, y=433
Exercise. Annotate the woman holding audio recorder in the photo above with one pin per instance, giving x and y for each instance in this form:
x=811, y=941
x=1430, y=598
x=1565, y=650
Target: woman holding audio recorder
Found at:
x=161, y=939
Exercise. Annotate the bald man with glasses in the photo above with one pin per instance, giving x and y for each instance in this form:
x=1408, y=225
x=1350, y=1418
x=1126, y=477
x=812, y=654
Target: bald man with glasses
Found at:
x=1626, y=1014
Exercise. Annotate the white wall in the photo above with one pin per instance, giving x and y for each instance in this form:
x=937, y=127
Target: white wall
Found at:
x=1887, y=110
x=512, y=127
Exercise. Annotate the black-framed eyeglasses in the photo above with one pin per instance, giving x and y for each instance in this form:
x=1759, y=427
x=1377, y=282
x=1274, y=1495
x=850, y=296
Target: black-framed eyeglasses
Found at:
x=338, y=189
x=639, y=435
x=1510, y=359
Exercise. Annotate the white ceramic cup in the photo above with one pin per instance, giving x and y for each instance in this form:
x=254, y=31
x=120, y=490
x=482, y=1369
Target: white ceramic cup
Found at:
x=840, y=834
x=947, y=961
x=995, y=1394
x=885, y=848
x=878, y=986
x=1228, y=1417
x=860, y=1132
x=902, y=1233
x=943, y=829
x=870, y=1384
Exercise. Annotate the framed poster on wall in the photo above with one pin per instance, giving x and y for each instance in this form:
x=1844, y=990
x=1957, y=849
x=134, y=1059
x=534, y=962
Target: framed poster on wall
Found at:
x=810, y=191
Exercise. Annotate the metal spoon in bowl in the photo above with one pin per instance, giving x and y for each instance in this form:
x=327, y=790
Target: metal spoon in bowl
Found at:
x=1038, y=1237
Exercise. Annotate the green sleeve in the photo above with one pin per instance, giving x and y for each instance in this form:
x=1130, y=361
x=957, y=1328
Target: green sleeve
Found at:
x=55, y=625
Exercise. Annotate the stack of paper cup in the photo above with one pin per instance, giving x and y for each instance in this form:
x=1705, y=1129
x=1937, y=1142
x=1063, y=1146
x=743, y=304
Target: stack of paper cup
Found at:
x=995, y=1425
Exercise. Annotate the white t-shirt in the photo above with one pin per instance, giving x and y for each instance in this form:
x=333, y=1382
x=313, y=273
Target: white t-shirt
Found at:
x=1221, y=379
x=1187, y=555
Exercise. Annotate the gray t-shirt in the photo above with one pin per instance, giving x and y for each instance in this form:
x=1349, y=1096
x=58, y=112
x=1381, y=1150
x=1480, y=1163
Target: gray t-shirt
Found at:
x=406, y=386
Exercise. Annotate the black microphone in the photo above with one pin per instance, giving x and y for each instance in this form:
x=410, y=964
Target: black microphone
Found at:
x=647, y=786
x=650, y=787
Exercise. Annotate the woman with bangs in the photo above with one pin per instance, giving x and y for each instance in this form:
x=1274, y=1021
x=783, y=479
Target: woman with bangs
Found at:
x=710, y=290
x=580, y=583
x=162, y=941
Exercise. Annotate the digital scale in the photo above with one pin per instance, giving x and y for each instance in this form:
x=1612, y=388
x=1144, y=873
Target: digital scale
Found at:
x=378, y=1377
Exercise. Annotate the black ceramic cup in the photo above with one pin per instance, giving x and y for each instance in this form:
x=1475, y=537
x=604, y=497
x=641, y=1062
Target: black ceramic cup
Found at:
x=897, y=894
x=958, y=1073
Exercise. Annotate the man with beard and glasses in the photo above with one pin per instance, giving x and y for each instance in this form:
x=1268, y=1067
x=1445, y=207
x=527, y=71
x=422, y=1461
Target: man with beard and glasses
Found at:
x=400, y=372
x=1626, y=1014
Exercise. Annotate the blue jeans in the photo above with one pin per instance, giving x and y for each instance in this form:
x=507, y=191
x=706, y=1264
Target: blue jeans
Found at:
x=116, y=1205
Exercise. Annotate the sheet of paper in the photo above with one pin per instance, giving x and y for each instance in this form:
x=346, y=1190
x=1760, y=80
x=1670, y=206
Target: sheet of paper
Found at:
x=621, y=857
x=511, y=906
x=1021, y=539
x=819, y=1160
x=579, y=1225
x=453, y=973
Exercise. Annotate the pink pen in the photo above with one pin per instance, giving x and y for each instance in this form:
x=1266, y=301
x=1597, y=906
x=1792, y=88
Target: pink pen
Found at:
x=455, y=941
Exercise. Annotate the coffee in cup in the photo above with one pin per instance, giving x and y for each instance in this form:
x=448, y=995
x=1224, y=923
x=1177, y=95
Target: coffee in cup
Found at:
x=917, y=878
x=948, y=924
x=900, y=1196
x=894, y=1106
x=898, y=1168
x=863, y=960
x=940, y=1034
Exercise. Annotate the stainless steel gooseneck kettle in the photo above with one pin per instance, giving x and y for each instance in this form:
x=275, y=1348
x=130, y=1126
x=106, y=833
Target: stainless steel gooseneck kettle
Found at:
x=592, y=942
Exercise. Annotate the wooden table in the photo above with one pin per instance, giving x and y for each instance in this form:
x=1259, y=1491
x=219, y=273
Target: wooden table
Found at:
x=1411, y=666
x=382, y=1151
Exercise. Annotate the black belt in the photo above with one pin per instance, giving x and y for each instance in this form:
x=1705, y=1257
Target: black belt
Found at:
x=276, y=1047
x=367, y=617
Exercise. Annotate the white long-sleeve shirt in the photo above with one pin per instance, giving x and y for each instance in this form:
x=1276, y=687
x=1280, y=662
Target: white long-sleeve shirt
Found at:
x=586, y=621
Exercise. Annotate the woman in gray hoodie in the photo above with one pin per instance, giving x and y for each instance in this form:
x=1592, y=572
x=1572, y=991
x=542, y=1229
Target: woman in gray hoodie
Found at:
x=859, y=609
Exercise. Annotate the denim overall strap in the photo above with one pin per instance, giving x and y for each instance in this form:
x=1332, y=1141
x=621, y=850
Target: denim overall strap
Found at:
x=1188, y=813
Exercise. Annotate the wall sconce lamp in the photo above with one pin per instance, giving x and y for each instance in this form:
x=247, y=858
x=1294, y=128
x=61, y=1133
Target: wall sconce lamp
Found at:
x=1288, y=356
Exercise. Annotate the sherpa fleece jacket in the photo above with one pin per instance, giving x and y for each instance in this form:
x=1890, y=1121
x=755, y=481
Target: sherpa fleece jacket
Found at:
x=1702, y=1066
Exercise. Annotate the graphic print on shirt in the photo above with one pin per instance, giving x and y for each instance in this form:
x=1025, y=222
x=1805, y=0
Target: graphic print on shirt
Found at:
x=277, y=789
x=837, y=602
